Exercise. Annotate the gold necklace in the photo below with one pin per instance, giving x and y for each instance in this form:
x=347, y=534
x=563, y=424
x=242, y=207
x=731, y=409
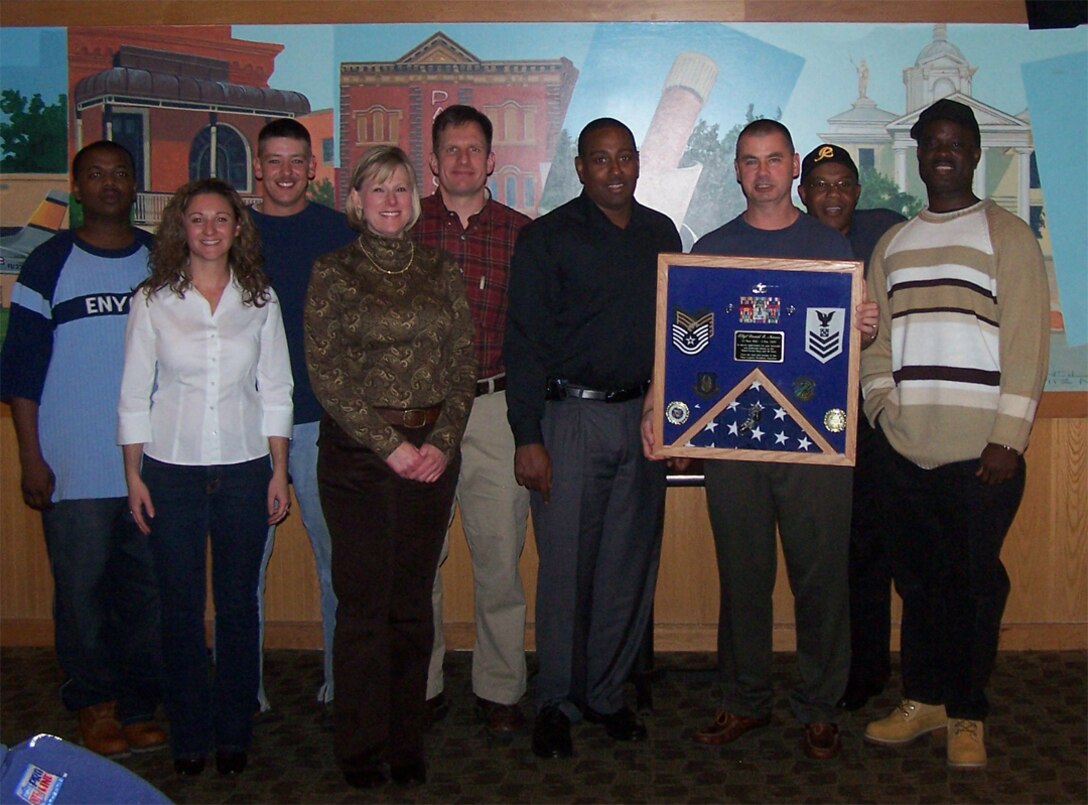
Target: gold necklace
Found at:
x=373, y=262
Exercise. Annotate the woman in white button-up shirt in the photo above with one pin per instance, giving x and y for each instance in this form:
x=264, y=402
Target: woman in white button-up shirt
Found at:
x=205, y=401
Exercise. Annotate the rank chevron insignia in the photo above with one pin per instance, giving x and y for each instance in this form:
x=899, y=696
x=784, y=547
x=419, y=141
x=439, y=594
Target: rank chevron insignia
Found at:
x=690, y=335
x=824, y=332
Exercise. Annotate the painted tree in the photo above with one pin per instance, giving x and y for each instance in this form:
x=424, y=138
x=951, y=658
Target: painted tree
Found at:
x=562, y=184
x=34, y=139
x=717, y=198
x=321, y=192
x=879, y=191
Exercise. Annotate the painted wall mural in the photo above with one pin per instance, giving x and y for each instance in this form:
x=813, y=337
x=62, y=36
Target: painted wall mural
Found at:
x=189, y=101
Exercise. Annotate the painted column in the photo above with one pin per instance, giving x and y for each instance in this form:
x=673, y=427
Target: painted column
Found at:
x=1023, y=187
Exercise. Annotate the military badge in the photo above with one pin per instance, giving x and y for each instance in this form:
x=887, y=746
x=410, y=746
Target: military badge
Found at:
x=677, y=413
x=835, y=420
x=824, y=332
x=804, y=388
x=690, y=335
x=706, y=384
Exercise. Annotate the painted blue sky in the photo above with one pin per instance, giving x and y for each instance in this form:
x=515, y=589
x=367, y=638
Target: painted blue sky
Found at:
x=33, y=60
x=619, y=75
x=828, y=83
x=623, y=65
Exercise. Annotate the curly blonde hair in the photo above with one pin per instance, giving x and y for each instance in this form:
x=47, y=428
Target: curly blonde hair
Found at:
x=169, y=261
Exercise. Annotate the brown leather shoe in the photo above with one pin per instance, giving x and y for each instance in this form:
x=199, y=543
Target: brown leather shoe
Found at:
x=503, y=720
x=727, y=727
x=822, y=741
x=144, y=736
x=100, y=730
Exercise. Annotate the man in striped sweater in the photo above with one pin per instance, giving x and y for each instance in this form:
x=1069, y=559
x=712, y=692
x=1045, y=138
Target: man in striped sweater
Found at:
x=953, y=380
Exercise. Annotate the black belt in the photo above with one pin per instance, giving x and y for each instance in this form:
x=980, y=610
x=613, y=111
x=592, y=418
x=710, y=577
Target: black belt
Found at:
x=490, y=385
x=561, y=390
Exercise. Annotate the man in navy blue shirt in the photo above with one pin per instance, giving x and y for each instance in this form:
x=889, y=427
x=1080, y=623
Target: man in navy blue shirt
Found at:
x=294, y=232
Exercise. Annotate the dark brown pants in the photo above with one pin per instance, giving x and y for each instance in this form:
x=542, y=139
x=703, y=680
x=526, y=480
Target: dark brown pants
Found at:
x=386, y=537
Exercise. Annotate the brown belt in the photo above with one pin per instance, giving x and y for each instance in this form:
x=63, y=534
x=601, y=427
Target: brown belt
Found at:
x=490, y=385
x=411, y=418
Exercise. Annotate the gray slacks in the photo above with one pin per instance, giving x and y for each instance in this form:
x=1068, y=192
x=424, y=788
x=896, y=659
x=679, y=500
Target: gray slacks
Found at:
x=599, y=548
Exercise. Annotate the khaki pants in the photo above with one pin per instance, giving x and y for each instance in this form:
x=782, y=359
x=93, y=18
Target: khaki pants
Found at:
x=494, y=511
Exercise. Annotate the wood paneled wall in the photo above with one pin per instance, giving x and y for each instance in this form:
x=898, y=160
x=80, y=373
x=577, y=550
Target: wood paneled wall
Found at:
x=1046, y=553
x=1046, y=549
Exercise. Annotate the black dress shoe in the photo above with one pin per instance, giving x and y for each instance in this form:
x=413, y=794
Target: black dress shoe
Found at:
x=551, y=734
x=622, y=725
x=414, y=771
x=189, y=767
x=365, y=770
x=858, y=694
x=366, y=777
x=230, y=762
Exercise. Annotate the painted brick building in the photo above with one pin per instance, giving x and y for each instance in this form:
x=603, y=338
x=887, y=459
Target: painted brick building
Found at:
x=395, y=102
x=187, y=102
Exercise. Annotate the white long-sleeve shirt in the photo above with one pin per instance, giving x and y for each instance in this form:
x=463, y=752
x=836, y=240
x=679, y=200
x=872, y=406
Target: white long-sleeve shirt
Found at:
x=202, y=388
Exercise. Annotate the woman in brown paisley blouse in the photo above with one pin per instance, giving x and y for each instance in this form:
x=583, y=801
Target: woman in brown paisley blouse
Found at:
x=390, y=353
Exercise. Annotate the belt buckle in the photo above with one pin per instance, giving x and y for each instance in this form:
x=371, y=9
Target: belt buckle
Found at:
x=414, y=418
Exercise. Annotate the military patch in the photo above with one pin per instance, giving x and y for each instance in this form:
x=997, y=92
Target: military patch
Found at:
x=677, y=413
x=706, y=384
x=835, y=420
x=804, y=388
x=824, y=332
x=690, y=335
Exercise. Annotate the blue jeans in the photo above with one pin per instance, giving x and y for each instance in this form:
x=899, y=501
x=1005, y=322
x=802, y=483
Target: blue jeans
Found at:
x=105, y=607
x=302, y=466
x=229, y=501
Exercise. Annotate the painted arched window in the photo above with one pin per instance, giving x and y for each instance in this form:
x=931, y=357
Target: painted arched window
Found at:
x=232, y=159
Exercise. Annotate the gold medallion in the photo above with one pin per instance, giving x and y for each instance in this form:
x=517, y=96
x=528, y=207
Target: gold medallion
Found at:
x=835, y=420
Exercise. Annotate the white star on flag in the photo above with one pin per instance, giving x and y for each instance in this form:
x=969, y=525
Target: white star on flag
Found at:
x=779, y=413
x=780, y=437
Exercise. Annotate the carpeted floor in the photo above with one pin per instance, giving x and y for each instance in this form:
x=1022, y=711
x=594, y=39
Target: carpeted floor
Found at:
x=1037, y=738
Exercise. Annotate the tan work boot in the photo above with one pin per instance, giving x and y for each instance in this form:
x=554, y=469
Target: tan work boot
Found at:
x=144, y=736
x=909, y=720
x=100, y=730
x=966, y=747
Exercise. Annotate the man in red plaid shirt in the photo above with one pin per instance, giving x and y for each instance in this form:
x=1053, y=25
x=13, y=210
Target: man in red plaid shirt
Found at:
x=463, y=219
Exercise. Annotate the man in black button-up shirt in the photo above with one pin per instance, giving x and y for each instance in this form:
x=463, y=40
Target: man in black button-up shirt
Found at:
x=579, y=352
